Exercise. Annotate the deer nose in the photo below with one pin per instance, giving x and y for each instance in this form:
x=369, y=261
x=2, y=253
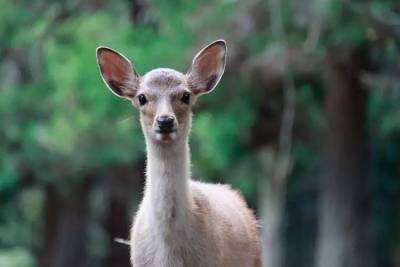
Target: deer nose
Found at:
x=165, y=123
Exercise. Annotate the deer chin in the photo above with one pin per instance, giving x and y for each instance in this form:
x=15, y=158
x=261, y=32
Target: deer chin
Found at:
x=166, y=137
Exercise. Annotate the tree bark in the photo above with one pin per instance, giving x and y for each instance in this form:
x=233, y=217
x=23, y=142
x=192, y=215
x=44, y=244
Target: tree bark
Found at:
x=344, y=206
x=65, y=236
x=272, y=211
x=52, y=211
x=122, y=187
x=140, y=12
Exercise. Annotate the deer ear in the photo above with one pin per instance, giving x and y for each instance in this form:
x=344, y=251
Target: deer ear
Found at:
x=117, y=72
x=207, y=68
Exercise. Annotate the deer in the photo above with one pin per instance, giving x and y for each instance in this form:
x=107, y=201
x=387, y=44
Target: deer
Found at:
x=180, y=221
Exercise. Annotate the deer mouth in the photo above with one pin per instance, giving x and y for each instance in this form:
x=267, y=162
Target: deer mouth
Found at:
x=165, y=131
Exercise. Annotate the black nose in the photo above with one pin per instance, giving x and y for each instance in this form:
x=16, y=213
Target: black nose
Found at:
x=165, y=123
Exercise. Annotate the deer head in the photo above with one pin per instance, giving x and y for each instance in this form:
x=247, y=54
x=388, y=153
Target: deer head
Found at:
x=163, y=96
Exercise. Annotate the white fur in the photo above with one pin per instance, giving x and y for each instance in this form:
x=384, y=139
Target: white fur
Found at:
x=168, y=232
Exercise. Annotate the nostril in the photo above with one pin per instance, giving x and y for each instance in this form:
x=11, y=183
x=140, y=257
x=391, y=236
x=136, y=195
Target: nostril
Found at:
x=165, y=122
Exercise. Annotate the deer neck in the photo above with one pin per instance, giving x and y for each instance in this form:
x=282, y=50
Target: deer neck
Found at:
x=167, y=196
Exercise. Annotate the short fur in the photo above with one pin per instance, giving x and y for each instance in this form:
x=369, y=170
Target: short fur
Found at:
x=182, y=222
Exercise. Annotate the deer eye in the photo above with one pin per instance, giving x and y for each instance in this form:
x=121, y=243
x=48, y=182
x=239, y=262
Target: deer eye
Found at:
x=142, y=99
x=186, y=98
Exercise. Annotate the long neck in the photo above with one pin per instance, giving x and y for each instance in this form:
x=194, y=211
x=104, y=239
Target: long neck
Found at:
x=167, y=194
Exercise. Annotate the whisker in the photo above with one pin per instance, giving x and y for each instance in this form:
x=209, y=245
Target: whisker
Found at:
x=122, y=241
x=125, y=119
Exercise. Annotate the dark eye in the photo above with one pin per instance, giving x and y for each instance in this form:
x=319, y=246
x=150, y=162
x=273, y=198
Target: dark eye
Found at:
x=142, y=99
x=186, y=98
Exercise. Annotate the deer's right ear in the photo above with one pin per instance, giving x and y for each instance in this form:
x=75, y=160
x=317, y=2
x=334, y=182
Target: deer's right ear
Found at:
x=117, y=72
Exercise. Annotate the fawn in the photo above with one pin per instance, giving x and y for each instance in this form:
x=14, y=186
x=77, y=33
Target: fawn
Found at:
x=180, y=222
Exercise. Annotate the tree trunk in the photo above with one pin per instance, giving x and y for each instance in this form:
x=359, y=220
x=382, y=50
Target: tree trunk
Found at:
x=272, y=206
x=65, y=236
x=123, y=189
x=344, y=207
x=52, y=212
x=273, y=197
x=139, y=11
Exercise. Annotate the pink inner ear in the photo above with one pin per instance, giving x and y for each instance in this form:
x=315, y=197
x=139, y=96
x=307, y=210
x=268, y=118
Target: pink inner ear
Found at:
x=114, y=67
x=207, y=68
x=209, y=61
x=117, y=72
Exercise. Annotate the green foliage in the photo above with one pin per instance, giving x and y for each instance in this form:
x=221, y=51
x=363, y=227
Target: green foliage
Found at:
x=16, y=257
x=61, y=125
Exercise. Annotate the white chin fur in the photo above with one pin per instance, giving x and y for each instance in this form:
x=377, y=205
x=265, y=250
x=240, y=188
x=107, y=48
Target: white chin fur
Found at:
x=165, y=137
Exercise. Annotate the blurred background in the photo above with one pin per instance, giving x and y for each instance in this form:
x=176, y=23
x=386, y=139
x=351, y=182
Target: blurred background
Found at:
x=305, y=123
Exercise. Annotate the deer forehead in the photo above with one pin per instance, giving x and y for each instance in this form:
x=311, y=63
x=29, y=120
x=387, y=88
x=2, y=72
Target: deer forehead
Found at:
x=163, y=81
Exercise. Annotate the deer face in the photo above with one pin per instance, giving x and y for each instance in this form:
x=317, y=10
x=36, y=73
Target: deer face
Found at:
x=163, y=96
x=164, y=102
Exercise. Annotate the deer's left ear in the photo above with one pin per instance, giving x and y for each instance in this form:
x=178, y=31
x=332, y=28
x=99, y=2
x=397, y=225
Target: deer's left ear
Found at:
x=207, y=68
